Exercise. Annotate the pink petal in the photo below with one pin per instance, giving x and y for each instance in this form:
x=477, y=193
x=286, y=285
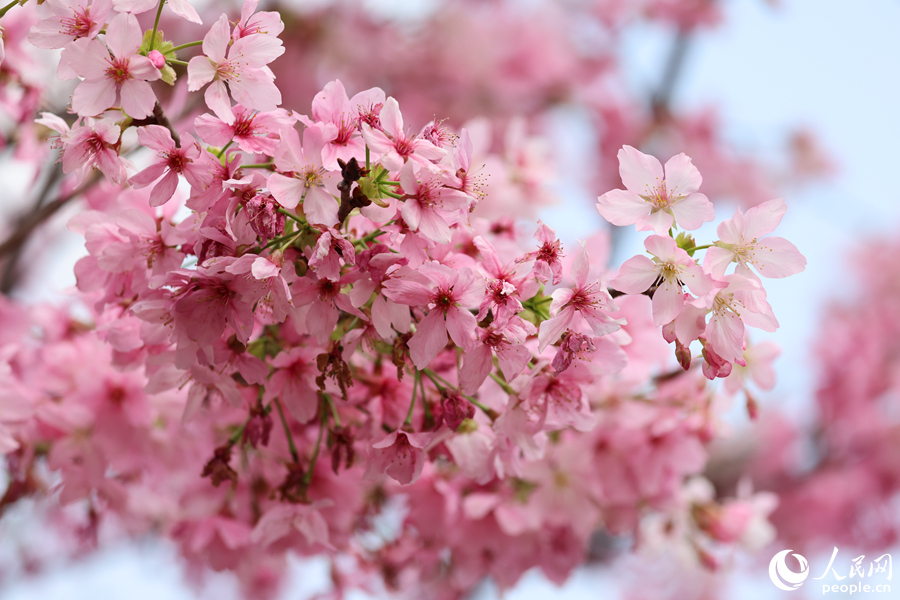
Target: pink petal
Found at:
x=200, y=72
x=636, y=275
x=512, y=360
x=658, y=221
x=391, y=119
x=776, y=257
x=254, y=89
x=682, y=177
x=123, y=35
x=763, y=218
x=621, y=207
x=553, y=328
x=693, y=211
x=215, y=43
x=429, y=339
x=217, y=100
x=717, y=260
x=138, y=98
x=667, y=303
x=461, y=325
x=641, y=173
x=477, y=364
x=320, y=207
x=185, y=10
x=164, y=190
x=92, y=97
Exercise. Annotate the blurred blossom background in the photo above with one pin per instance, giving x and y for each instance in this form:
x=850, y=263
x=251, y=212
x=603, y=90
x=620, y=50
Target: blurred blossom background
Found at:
x=791, y=99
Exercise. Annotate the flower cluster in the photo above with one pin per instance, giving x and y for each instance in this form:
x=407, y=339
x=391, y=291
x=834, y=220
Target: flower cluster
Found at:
x=266, y=287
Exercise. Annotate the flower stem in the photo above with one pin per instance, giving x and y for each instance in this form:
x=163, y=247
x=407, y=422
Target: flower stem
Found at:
x=334, y=414
x=155, y=26
x=287, y=431
x=506, y=387
x=291, y=215
x=266, y=165
x=412, y=404
x=188, y=45
x=6, y=8
x=434, y=377
x=307, y=477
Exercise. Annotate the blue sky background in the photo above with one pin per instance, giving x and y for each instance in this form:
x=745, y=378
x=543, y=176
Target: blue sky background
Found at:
x=830, y=65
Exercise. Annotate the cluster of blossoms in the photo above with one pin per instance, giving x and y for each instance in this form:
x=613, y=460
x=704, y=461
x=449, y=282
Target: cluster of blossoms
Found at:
x=267, y=288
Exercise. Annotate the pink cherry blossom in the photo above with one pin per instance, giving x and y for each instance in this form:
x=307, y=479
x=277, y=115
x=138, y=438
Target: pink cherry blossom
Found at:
x=308, y=181
x=88, y=145
x=392, y=146
x=126, y=73
x=742, y=302
x=739, y=241
x=400, y=455
x=71, y=20
x=671, y=199
x=670, y=269
x=253, y=132
x=244, y=70
x=430, y=207
x=590, y=300
x=171, y=162
x=547, y=258
x=447, y=294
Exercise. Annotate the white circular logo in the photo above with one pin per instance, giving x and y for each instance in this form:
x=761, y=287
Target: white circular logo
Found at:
x=782, y=576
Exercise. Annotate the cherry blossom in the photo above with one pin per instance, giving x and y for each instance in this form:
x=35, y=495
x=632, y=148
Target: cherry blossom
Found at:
x=125, y=74
x=672, y=199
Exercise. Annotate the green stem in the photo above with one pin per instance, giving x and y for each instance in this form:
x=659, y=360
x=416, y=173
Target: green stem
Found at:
x=287, y=431
x=289, y=238
x=6, y=8
x=155, y=26
x=292, y=216
x=188, y=45
x=391, y=194
x=695, y=248
x=236, y=436
x=307, y=477
x=334, y=414
x=221, y=151
x=367, y=158
x=267, y=165
x=412, y=404
x=506, y=387
x=172, y=61
x=432, y=375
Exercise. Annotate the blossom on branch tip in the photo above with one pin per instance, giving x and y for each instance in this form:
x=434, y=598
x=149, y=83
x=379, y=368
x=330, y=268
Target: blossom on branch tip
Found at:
x=652, y=200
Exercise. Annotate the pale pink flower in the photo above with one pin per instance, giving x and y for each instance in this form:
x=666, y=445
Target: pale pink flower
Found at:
x=88, y=145
x=392, y=146
x=652, y=200
x=294, y=382
x=125, y=73
x=71, y=20
x=742, y=302
x=447, y=294
x=590, y=300
x=400, y=455
x=331, y=251
x=670, y=269
x=340, y=114
x=739, y=241
x=252, y=22
x=308, y=181
x=182, y=8
x=171, y=162
x=244, y=70
x=506, y=342
x=283, y=519
x=254, y=132
x=430, y=207
x=506, y=284
x=548, y=258
x=759, y=359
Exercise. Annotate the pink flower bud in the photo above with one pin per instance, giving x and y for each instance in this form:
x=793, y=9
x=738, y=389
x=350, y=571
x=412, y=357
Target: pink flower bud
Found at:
x=157, y=58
